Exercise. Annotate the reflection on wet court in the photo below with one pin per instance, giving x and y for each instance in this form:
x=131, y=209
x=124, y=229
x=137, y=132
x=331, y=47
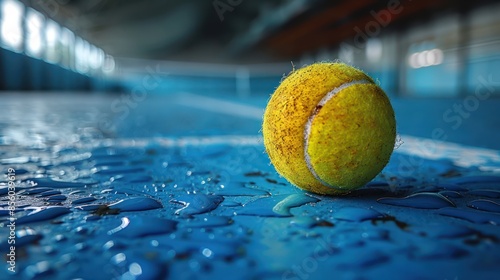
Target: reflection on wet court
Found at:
x=206, y=205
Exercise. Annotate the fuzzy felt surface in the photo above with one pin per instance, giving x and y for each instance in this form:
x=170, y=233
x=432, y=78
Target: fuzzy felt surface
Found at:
x=351, y=136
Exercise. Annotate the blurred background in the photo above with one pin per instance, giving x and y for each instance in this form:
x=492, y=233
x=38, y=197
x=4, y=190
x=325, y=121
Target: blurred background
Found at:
x=438, y=60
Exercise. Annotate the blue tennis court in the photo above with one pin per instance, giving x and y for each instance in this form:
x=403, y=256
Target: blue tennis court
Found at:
x=183, y=191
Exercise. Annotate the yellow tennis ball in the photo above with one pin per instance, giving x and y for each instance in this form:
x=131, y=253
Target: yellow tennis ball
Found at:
x=329, y=128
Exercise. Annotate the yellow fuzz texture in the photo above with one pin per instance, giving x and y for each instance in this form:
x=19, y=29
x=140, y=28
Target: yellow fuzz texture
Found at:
x=351, y=137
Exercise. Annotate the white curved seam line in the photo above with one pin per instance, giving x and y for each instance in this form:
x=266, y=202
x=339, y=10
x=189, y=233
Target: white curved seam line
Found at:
x=307, y=130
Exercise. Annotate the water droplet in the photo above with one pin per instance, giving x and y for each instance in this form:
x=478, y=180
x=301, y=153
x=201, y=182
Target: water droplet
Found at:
x=75, y=192
x=136, y=204
x=83, y=200
x=196, y=203
x=485, y=205
x=134, y=226
x=228, y=203
x=89, y=207
x=450, y=194
x=59, y=238
x=135, y=269
x=398, y=142
x=15, y=160
x=46, y=182
x=40, y=269
x=114, y=245
x=275, y=206
x=43, y=214
x=49, y=193
x=37, y=191
x=419, y=200
x=80, y=246
x=119, y=258
x=207, y=252
x=140, y=267
x=294, y=200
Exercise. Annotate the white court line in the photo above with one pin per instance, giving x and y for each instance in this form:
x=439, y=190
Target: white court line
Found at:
x=424, y=147
x=234, y=140
x=464, y=156
x=220, y=106
x=461, y=155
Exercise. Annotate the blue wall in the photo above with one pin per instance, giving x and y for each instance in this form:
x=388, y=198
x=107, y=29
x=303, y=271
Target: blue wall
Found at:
x=19, y=72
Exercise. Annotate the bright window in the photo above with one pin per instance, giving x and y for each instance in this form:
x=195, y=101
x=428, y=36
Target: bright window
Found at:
x=67, y=48
x=96, y=57
x=34, y=26
x=12, y=30
x=52, y=35
x=82, y=52
x=109, y=64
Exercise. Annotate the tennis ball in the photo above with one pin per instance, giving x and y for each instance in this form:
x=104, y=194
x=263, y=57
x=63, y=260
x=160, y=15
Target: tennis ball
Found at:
x=328, y=128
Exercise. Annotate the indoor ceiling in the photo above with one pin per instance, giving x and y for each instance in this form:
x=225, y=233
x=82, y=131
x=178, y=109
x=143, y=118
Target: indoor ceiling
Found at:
x=233, y=30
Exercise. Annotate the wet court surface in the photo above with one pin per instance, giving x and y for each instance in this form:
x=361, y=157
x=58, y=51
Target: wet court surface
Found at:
x=114, y=188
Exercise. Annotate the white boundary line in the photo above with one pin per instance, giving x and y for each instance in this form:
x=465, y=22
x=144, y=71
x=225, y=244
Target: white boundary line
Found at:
x=464, y=156
x=220, y=106
x=460, y=155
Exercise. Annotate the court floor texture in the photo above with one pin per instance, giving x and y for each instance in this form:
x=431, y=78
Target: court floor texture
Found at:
x=179, y=187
